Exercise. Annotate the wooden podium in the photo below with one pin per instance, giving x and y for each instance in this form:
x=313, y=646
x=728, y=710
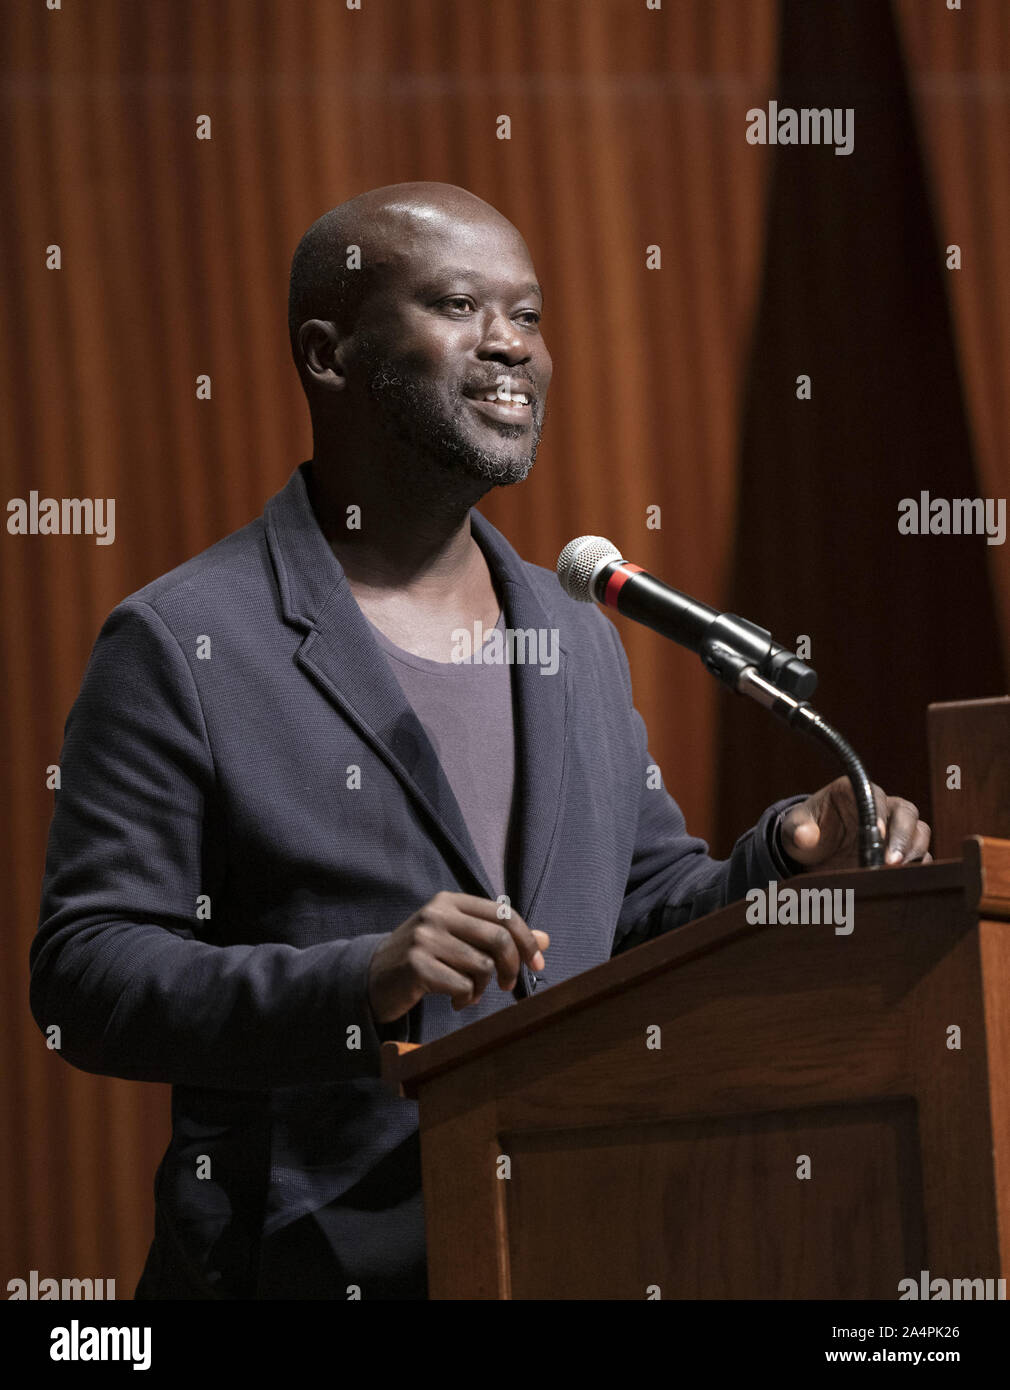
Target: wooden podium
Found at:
x=737, y=1110
x=969, y=751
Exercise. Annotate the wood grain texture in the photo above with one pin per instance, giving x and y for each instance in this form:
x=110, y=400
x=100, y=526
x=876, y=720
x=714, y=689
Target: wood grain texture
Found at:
x=626, y=132
x=994, y=946
x=724, y=1206
x=987, y=875
x=716, y=931
x=958, y=81
x=969, y=753
x=635, y=1166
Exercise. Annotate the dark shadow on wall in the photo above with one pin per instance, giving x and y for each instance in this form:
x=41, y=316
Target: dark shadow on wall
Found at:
x=854, y=295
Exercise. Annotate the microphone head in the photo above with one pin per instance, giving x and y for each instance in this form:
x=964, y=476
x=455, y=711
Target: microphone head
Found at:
x=579, y=562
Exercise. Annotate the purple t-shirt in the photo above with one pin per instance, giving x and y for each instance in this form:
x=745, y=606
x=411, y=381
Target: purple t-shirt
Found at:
x=466, y=710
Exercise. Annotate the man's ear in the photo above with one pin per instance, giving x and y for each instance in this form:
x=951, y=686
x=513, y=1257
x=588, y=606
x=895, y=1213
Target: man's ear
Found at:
x=320, y=344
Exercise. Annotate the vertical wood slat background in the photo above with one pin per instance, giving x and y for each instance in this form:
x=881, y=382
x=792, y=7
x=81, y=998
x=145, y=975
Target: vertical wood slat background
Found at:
x=855, y=294
x=627, y=131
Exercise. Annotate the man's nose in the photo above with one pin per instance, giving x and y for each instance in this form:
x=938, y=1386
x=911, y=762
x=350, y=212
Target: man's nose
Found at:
x=503, y=339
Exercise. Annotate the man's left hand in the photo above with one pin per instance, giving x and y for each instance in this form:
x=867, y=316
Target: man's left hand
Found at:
x=823, y=831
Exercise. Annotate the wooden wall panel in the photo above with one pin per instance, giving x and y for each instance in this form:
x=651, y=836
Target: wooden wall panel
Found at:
x=856, y=296
x=627, y=132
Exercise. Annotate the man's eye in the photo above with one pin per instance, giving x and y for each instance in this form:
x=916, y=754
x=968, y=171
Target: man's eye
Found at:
x=459, y=299
x=532, y=316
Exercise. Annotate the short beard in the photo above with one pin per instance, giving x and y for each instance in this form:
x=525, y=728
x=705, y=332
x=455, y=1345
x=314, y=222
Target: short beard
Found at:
x=414, y=416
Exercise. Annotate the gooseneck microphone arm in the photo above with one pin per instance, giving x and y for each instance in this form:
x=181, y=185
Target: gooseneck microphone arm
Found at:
x=798, y=714
x=735, y=651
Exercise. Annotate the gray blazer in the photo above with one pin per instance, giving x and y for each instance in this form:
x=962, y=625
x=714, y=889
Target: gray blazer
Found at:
x=214, y=890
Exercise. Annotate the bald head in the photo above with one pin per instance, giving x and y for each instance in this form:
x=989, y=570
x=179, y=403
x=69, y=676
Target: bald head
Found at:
x=414, y=318
x=389, y=225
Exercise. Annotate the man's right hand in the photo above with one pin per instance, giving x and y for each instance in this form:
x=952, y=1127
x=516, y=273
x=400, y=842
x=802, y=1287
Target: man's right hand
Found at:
x=452, y=945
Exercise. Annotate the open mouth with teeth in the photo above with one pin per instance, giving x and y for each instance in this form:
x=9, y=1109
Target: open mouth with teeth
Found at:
x=516, y=408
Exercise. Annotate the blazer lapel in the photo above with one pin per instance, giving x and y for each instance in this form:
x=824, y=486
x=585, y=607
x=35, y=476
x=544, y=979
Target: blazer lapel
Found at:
x=541, y=713
x=340, y=654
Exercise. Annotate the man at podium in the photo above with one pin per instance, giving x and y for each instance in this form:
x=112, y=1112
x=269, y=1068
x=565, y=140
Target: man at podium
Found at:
x=308, y=804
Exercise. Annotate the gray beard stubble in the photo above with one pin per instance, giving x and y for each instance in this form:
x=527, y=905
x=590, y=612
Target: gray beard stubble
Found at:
x=414, y=417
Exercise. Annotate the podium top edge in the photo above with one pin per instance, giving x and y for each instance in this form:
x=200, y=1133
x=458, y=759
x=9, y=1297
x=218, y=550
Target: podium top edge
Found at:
x=714, y=932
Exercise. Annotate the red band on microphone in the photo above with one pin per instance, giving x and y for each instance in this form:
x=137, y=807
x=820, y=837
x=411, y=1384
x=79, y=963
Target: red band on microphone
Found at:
x=617, y=581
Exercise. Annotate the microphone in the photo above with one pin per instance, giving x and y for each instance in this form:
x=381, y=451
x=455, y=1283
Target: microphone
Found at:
x=591, y=568
x=740, y=653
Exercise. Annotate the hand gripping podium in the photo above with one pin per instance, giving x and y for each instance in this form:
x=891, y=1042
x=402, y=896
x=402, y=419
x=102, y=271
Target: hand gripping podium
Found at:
x=737, y=1110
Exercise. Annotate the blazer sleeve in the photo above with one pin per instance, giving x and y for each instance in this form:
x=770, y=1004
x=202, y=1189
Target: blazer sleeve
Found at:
x=115, y=962
x=673, y=879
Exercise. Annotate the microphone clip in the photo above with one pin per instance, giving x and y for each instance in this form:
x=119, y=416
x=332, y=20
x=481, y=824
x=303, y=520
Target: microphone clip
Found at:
x=730, y=644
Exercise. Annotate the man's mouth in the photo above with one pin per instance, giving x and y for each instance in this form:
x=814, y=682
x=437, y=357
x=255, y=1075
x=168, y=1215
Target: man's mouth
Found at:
x=515, y=407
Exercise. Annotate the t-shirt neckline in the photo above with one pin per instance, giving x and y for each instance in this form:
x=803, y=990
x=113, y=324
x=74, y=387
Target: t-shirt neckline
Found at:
x=423, y=663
